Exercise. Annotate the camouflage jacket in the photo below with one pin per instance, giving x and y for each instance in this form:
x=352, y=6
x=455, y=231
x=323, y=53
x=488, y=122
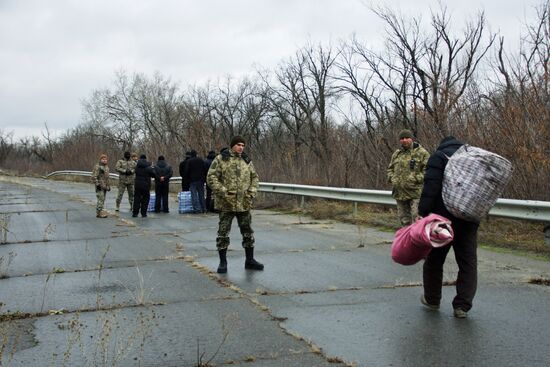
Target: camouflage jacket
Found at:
x=100, y=176
x=406, y=172
x=126, y=170
x=233, y=180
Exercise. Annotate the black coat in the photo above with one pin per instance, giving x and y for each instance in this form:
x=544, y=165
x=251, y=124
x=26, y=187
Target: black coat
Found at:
x=431, y=200
x=163, y=169
x=144, y=172
x=184, y=180
x=194, y=170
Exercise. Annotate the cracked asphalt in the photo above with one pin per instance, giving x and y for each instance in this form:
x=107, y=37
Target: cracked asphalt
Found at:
x=80, y=291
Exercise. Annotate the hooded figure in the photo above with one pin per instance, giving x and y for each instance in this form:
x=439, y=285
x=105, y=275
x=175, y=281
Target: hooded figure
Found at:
x=163, y=173
x=144, y=172
x=464, y=242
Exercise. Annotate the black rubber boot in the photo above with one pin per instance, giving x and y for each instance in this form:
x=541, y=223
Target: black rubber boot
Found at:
x=222, y=268
x=250, y=263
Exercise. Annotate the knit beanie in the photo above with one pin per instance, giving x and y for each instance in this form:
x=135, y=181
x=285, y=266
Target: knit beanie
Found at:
x=406, y=134
x=236, y=140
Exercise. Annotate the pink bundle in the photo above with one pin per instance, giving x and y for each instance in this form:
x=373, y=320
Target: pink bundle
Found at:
x=413, y=243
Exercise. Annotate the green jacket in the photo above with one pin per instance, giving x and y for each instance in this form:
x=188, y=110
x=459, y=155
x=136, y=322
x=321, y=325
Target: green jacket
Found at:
x=126, y=170
x=406, y=172
x=233, y=181
x=100, y=177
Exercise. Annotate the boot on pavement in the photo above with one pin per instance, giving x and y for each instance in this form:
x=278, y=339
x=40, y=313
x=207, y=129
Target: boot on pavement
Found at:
x=250, y=262
x=101, y=214
x=222, y=268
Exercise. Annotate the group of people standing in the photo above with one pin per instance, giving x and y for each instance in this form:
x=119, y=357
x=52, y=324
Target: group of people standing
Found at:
x=135, y=178
x=231, y=185
x=193, y=171
x=415, y=175
x=417, y=181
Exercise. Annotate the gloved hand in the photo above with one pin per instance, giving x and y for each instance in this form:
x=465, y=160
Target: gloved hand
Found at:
x=98, y=187
x=128, y=172
x=108, y=189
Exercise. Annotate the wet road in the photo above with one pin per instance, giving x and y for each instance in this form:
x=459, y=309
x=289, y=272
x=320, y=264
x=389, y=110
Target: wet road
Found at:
x=77, y=290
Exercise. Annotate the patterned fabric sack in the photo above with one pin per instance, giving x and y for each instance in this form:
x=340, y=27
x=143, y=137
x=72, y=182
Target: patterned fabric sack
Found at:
x=151, y=206
x=473, y=180
x=184, y=202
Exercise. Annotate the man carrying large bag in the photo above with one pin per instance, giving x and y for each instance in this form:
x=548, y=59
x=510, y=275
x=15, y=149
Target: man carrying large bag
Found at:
x=464, y=242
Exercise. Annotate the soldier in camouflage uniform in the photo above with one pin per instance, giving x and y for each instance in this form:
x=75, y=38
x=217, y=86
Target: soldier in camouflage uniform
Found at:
x=234, y=182
x=126, y=169
x=406, y=174
x=100, y=179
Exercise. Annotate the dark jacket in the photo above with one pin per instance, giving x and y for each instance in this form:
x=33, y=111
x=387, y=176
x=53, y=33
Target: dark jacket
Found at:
x=208, y=162
x=163, y=169
x=184, y=180
x=194, y=170
x=431, y=200
x=144, y=172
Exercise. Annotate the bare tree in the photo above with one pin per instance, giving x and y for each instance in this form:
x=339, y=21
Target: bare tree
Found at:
x=6, y=145
x=442, y=65
x=301, y=98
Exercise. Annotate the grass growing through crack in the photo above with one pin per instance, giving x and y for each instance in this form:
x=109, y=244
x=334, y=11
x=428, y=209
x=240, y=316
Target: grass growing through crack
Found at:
x=48, y=230
x=5, y=264
x=4, y=227
x=229, y=322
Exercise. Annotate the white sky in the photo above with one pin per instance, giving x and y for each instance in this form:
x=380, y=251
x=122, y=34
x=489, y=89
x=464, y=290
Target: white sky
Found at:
x=54, y=53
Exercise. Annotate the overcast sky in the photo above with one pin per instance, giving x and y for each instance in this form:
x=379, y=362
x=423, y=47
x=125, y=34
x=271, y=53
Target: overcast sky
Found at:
x=55, y=53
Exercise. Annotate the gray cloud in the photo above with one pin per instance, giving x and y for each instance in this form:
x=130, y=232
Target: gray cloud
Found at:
x=53, y=54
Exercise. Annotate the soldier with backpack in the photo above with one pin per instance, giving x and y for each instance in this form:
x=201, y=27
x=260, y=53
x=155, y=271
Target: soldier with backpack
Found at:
x=464, y=243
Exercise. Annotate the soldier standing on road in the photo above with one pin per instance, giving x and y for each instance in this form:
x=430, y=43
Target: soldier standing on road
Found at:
x=406, y=174
x=100, y=179
x=234, y=182
x=126, y=169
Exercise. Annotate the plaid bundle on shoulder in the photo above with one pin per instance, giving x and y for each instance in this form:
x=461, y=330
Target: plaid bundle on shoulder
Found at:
x=473, y=180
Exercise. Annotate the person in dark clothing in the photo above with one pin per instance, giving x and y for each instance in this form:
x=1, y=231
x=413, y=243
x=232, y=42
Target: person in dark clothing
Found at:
x=195, y=171
x=144, y=172
x=163, y=173
x=207, y=163
x=185, y=183
x=464, y=243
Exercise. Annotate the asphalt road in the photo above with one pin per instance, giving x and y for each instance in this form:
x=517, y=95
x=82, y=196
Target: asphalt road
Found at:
x=76, y=290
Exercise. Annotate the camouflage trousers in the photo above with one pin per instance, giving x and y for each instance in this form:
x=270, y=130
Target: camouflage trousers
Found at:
x=122, y=186
x=407, y=210
x=100, y=194
x=244, y=219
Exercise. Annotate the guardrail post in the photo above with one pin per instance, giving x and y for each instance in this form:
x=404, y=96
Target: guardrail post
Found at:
x=355, y=209
x=303, y=202
x=547, y=234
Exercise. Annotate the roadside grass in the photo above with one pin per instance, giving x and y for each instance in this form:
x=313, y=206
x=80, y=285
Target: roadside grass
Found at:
x=496, y=234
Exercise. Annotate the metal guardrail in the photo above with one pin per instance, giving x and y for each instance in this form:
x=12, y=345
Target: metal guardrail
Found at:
x=508, y=208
